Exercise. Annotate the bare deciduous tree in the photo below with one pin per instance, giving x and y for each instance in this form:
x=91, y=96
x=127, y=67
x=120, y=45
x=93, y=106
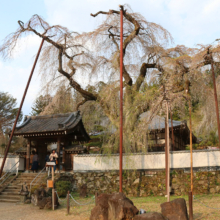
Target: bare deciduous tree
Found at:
x=67, y=59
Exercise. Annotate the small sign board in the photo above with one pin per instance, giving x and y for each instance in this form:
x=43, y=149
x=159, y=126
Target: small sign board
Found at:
x=50, y=164
x=50, y=183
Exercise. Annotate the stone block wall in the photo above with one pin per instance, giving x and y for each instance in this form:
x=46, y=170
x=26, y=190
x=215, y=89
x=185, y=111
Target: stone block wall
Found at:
x=148, y=183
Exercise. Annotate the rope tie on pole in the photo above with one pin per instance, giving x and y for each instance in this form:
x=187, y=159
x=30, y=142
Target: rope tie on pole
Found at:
x=64, y=201
x=82, y=204
x=197, y=200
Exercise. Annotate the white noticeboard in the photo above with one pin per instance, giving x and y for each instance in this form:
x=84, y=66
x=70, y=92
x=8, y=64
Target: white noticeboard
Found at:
x=50, y=164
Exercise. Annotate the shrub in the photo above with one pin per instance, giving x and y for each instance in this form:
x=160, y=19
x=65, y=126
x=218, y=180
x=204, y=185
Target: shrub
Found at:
x=62, y=187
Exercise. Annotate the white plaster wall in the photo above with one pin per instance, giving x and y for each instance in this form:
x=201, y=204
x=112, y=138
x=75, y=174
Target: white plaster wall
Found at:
x=179, y=159
x=11, y=161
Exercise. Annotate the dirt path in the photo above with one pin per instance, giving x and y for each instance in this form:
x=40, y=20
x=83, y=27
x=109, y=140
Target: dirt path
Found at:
x=208, y=210
x=10, y=211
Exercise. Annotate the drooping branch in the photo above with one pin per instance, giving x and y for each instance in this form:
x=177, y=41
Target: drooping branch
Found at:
x=62, y=52
x=134, y=33
x=127, y=40
x=87, y=95
x=113, y=38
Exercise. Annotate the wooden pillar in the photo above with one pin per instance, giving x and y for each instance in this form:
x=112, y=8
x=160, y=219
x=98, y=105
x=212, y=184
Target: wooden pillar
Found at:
x=28, y=155
x=58, y=153
x=64, y=159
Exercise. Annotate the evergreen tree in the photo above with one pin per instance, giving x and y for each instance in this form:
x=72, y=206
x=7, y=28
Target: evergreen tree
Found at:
x=8, y=111
x=40, y=103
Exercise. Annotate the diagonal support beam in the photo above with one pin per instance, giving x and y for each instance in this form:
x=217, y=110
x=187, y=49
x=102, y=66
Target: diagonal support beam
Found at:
x=19, y=111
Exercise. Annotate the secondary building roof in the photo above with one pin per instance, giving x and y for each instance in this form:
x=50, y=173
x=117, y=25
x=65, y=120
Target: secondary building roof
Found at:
x=158, y=122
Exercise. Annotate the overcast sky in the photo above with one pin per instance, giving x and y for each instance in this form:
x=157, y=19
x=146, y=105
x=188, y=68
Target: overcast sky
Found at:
x=189, y=22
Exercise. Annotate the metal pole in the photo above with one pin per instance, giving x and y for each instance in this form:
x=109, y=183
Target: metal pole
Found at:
x=121, y=100
x=216, y=100
x=19, y=111
x=168, y=157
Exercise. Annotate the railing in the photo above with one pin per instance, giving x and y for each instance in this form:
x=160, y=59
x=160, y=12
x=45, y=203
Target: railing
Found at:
x=36, y=178
x=8, y=173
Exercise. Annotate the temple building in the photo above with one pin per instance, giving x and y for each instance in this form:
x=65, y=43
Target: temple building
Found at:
x=156, y=133
x=63, y=132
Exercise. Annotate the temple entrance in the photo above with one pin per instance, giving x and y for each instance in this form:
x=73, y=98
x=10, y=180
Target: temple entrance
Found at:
x=42, y=153
x=61, y=130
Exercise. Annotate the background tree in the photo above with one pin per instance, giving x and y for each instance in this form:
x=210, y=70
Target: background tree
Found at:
x=62, y=102
x=8, y=111
x=40, y=103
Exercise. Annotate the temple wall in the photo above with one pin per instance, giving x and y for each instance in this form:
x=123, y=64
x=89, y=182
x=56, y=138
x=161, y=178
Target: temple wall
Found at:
x=11, y=161
x=150, y=161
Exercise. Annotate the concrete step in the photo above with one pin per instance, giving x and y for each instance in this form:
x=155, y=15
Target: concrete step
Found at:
x=9, y=193
x=32, y=174
x=13, y=187
x=12, y=190
x=15, y=197
x=9, y=200
x=22, y=180
x=19, y=183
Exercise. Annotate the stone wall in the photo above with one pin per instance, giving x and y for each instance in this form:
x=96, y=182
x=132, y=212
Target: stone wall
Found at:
x=146, y=183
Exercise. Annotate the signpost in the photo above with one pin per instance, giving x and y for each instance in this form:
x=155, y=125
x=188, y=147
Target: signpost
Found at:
x=51, y=164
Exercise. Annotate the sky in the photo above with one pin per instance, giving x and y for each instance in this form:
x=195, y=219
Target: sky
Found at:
x=189, y=22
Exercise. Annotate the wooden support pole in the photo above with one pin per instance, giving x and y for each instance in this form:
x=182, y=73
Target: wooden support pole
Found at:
x=53, y=191
x=28, y=155
x=68, y=202
x=171, y=118
x=19, y=110
x=63, y=159
x=121, y=101
x=191, y=164
x=191, y=152
x=216, y=101
x=58, y=153
x=190, y=206
x=165, y=150
x=168, y=154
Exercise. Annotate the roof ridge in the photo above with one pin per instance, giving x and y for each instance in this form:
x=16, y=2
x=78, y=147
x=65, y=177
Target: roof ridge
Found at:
x=50, y=116
x=24, y=123
x=77, y=116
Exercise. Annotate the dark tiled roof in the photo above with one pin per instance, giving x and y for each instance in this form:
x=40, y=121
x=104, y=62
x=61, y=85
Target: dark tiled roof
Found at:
x=76, y=148
x=158, y=122
x=49, y=123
